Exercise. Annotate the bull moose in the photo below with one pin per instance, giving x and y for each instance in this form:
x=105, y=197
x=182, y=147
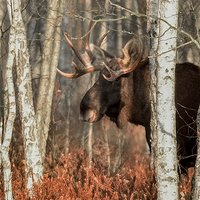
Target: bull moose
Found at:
x=122, y=92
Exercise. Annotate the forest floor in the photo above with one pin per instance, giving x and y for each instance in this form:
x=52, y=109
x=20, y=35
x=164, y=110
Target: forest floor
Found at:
x=71, y=178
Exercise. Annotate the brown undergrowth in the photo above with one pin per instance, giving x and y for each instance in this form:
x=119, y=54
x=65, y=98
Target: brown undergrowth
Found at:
x=72, y=179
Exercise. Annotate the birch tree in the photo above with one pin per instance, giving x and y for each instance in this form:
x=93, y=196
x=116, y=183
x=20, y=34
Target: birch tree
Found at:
x=19, y=57
x=166, y=163
x=9, y=114
x=2, y=14
x=8, y=125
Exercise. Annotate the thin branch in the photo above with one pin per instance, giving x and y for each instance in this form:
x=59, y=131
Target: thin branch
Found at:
x=196, y=42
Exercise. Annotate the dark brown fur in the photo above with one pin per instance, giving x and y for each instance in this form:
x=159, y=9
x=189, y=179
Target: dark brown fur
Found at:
x=127, y=99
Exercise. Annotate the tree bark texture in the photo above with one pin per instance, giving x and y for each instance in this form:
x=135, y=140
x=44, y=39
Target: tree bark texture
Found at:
x=152, y=13
x=34, y=166
x=50, y=56
x=10, y=111
x=166, y=169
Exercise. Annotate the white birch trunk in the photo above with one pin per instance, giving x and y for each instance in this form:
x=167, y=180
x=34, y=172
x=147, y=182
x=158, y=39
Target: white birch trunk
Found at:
x=9, y=118
x=196, y=189
x=7, y=174
x=34, y=166
x=166, y=170
x=2, y=13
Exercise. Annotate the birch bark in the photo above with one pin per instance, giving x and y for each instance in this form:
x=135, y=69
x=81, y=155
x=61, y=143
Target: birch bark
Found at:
x=10, y=104
x=20, y=58
x=166, y=169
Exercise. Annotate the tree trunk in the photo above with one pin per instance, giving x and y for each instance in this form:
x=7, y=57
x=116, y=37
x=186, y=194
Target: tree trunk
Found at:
x=138, y=20
x=107, y=149
x=68, y=117
x=89, y=128
x=166, y=169
x=119, y=151
x=196, y=192
x=67, y=84
x=104, y=27
x=8, y=128
x=18, y=43
x=2, y=13
x=119, y=32
x=89, y=144
x=48, y=71
x=152, y=13
x=9, y=113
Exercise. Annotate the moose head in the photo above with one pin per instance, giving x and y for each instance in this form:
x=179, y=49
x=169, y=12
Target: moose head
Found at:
x=96, y=102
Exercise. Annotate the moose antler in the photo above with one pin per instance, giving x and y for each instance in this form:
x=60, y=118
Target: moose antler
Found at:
x=95, y=59
x=126, y=63
x=87, y=58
